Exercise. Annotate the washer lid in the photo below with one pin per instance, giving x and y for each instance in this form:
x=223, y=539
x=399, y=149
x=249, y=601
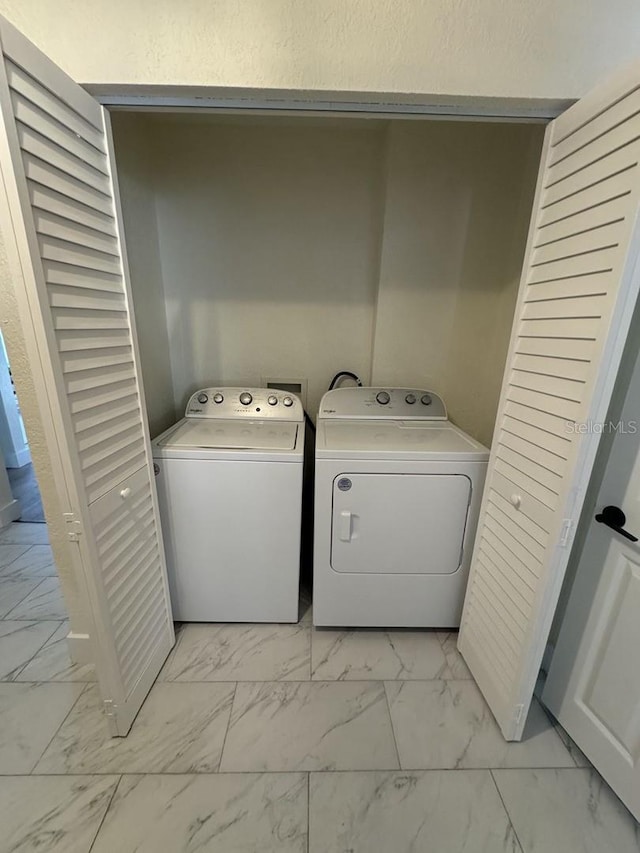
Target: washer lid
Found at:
x=232, y=434
x=395, y=437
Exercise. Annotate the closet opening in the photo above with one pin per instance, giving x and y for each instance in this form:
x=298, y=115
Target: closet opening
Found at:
x=300, y=246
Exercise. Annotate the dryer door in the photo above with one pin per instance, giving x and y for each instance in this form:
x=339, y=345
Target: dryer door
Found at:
x=399, y=523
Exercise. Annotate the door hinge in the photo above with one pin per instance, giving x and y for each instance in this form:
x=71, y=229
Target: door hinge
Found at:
x=110, y=709
x=74, y=529
x=565, y=532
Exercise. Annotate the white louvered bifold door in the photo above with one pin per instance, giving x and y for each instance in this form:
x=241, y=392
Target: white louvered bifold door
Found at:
x=578, y=290
x=61, y=229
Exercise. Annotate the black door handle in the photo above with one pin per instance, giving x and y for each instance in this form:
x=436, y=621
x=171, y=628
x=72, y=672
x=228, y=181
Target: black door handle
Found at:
x=615, y=518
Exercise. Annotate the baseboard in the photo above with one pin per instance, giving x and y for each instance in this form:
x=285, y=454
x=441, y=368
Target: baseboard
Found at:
x=79, y=648
x=10, y=512
x=23, y=457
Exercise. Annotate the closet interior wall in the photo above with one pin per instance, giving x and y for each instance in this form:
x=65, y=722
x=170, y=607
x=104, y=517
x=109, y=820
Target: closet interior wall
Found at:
x=298, y=246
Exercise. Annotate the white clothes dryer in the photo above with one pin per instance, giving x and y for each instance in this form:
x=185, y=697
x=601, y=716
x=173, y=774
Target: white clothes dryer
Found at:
x=229, y=478
x=397, y=498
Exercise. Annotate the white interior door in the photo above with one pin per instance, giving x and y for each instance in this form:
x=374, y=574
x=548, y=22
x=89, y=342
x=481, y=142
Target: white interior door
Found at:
x=59, y=215
x=593, y=686
x=578, y=289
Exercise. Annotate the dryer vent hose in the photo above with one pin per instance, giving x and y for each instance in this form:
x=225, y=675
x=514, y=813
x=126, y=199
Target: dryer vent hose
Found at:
x=336, y=379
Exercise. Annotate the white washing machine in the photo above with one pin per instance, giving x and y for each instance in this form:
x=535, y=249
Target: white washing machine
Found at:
x=229, y=478
x=397, y=498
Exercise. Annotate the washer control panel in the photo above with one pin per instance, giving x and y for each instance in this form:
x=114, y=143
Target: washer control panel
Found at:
x=260, y=403
x=399, y=403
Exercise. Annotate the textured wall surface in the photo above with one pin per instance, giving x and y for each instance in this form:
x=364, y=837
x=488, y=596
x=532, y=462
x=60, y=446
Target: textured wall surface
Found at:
x=502, y=48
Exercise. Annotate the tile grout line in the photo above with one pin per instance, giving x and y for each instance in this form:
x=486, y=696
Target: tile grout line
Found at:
x=53, y=736
x=33, y=656
x=393, y=731
x=308, y=810
x=226, y=731
x=11, y=562
x=556, y=725
x=106, y=812
x=7, y=616
x=82, y=773
x=506, y=810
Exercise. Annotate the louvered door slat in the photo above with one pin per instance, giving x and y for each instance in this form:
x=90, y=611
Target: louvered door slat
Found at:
x=557, y=307
x=614, y=116
x=32, y=117
x=552, y=366
x=576, y=297
x=584, y=222
x=73, y=232
x=575, y=186
x=121, y=404
x=62, y=204
x=503, y=585
x=534, y=435
x=534, y=530
x=47, y=152
x=521, y=590
x=45, y=199
x=613, y=188
x=600, y=150
x=533, y=452
x=89, y=403
x=70, y=276
x=74, y=118
x=47, y=175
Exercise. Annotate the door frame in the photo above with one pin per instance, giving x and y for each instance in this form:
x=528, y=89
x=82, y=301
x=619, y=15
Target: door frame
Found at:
x=404, y=105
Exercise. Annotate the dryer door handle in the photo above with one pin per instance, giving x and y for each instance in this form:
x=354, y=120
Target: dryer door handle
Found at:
x=345, y=526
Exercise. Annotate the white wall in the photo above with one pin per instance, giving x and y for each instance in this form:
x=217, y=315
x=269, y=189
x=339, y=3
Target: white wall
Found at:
x=269, y=239
x=137, y=193
x=296, y=248
x=13, y=442
x=457, y=207
x=519, y=48
x=9, y=507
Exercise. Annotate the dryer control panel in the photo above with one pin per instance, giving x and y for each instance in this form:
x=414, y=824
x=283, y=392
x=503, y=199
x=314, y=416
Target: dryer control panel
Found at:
x=256, y=403
x=404, y=404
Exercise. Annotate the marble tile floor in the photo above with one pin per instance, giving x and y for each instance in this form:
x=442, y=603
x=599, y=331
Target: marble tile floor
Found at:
x=282, y=738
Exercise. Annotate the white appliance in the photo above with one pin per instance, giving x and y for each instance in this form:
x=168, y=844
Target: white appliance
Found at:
x=229, y=478
x=397, y=498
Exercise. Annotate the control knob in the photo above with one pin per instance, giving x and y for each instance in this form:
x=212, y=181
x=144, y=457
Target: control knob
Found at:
x=245, y=398
x=272, y=399
x=202, y=398
x=426, y=399
x=383, y=398
x=410, y=398
x=218, y=398
x=287, y=401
